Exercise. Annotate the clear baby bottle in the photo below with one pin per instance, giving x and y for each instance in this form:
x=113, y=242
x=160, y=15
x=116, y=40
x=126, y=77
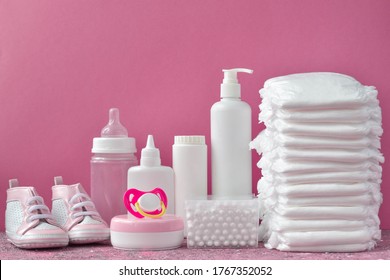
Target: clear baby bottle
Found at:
x=113, y=155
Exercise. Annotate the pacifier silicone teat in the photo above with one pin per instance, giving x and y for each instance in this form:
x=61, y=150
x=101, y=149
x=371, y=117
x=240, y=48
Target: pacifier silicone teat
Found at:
x=141, y=204
x=114, y=128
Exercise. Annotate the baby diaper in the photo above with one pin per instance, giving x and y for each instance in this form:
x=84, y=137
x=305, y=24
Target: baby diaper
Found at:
x=270, y=202
x=355, y=115
x=321, y=238
x=334, y=130
x=271, y=198
x=318, y=238
x=331, y=190
x=356, y=200
x=292, y=167
x=343, y=248
x=322, y=212
x=278, y=223
x=320, y=155
x=269, y=140
x=327, y=177
x=318, y=91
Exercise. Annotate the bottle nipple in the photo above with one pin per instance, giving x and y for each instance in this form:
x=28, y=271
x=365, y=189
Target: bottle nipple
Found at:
x=114, y=128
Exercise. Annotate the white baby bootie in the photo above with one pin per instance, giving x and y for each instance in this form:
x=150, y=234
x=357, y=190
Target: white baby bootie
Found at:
x=28, y=221
x=76, y=213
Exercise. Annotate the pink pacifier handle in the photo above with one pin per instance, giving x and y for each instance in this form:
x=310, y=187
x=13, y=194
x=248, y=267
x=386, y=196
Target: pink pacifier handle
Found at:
x=136, y=195
x=126, y=200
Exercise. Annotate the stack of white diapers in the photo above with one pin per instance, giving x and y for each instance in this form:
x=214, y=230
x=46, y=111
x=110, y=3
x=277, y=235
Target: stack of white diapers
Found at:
x=320, y=190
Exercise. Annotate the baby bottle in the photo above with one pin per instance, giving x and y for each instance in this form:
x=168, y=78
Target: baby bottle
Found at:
x=113, y=155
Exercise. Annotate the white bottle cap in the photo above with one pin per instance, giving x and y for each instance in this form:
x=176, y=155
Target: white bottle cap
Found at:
x=114, y=137
x=190, y=140
x=230, y=86
x=150, y=155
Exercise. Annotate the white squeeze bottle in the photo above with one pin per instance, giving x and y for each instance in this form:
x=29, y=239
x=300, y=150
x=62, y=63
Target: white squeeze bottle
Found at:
x=231, y=159
x=113, y=155
x=150, y=174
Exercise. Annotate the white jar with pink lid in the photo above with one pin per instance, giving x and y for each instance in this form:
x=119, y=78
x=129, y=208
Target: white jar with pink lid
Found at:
x=146, y=227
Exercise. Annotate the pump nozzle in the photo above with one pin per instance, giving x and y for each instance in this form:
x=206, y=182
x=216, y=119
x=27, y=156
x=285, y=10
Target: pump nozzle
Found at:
x=114, y=128
x=230, y=86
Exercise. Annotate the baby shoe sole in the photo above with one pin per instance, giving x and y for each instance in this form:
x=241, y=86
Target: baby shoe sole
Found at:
x=85, y=236
x=40, y=244
x=87, y=240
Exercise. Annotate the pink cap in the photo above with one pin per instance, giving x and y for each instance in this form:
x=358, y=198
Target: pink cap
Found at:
x=166, y=223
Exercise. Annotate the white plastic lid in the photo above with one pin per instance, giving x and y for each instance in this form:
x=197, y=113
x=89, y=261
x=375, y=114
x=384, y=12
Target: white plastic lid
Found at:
x=190, y=140
x=150, y=155
x=114, y=137
x=230, y=86
x=114, y=145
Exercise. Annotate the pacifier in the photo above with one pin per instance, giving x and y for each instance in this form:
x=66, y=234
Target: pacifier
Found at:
x=152, y=204
x=160, y=232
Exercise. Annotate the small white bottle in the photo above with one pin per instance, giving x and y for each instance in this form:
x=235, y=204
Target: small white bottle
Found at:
x=150, y=174
x=189, y=162
x=231, y=159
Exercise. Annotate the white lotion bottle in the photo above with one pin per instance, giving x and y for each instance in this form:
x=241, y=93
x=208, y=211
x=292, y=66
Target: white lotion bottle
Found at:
x=231, y=124
x=150, y=174
x=189, y=162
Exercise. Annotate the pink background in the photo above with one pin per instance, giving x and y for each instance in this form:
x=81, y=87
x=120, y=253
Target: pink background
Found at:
x=63, y=64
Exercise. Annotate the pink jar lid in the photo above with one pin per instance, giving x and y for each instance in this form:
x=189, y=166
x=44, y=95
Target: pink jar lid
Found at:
x=166, y=223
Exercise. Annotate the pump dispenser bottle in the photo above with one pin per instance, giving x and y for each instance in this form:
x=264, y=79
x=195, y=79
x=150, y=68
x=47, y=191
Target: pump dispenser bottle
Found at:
x=113, y=155
x=150, y=174
x=231, y=160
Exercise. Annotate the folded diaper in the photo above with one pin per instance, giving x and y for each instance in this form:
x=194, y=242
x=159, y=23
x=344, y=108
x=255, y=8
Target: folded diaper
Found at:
x=332, y=130
x=343, y=248
x=278, y=223
x=328, y=177
x=268, y=140
x=320, y=208
x=320, y=212
x=331, y=190
x=293, y=167
x=320, y=238
x=356, y=200
x=320, y=155
x=268, y=203
x=355, y=115
x=318, y=91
